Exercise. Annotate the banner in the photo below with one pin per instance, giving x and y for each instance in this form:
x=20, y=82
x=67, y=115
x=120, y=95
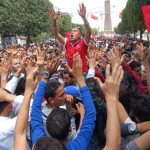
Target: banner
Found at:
x=146, y=14
x=94, y=17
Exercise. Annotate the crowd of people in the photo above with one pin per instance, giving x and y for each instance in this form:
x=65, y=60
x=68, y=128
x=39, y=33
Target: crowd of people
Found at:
x=75, y=93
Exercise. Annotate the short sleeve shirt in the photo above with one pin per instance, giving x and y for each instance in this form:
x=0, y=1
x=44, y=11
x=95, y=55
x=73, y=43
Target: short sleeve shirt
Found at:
x=81, y=47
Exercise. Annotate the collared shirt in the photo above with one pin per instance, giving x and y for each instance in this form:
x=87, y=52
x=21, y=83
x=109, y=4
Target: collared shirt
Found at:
x=81, y=47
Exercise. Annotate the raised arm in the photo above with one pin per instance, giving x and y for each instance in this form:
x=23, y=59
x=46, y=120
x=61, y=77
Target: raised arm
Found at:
x=144, y=58
x=53, y=16
x=82, y=13
x=20, y=141
x=111, y=90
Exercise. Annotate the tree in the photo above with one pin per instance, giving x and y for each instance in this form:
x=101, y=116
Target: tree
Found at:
x=94, y=31
x=24, y=17
x=64, y=23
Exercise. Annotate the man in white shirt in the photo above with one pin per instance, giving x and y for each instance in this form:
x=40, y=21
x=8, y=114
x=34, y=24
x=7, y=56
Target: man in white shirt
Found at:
x=7, y=119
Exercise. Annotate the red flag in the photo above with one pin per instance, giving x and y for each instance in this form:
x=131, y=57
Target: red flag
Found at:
x=94, y=17
x=92, y=36
x=68, y=35
x=146, y=14
x=120, y=15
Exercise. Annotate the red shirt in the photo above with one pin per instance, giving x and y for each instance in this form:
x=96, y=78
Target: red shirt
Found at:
x=81, y=48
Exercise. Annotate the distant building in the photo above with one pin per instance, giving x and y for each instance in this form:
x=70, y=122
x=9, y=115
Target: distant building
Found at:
x=107, y=22
x=11, y=39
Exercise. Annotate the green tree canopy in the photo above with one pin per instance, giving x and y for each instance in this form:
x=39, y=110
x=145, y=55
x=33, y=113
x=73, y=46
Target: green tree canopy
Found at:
x=24, y=17
x=94, y=31
x=132, y=17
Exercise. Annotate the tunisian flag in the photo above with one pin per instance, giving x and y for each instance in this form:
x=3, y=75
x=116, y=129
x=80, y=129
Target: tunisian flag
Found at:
x=146, y=14
x=120, y=15
x=94, y=17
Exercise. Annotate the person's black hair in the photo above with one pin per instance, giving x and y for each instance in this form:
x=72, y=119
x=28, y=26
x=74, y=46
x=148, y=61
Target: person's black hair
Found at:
x=79, y=29
x=49, y=143
x=125, y=97
x=141, y=107
x=134, y=64
x=20, y=89
x=67, y=72
x=51, y=90
x=3, y=105
x=58, y=123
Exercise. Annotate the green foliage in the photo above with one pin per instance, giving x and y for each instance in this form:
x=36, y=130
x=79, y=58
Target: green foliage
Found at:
x=94, y=31
x=132, y=17
x=64, y=23
x=24, y=17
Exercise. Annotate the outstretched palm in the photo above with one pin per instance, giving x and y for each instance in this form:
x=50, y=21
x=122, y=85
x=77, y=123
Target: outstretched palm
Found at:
x=52, y=14
x=82, y=11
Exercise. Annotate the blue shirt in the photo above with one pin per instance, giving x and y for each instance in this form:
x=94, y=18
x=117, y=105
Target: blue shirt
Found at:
x=88, y=124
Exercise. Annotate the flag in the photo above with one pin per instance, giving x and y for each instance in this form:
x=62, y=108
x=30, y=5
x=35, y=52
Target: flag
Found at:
x=94, y=17
x=92, y=36
x=146, y=14
x=68, y=35
x=120, y=15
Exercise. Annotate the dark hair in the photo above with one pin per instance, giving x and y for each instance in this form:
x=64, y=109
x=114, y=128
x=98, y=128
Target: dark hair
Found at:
x=51, y=90
x=20, y=86
x=141, y=107
x=48, y=143
x=58, y=123
x=125, y=97
x=134, y=64
x=3, y=105
x=67, y=72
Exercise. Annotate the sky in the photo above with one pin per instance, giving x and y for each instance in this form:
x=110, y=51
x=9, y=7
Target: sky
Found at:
x=95, y=7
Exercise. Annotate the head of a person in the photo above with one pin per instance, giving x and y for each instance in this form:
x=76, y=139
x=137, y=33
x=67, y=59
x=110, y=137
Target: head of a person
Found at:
x=125, y=96
x=58, y=124
x=20, y=89
x=6, y=107
x=68, y=78
x=136, y=66
x=75, y=34
x=141, y=107
x=55, y=94
x=127, y=56
x=15, y=65
x=48, y=143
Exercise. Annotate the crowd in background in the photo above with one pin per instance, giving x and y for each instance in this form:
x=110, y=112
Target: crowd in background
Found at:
x=54, y=97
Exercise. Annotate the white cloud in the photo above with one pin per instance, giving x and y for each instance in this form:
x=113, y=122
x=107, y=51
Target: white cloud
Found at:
x=93, y=6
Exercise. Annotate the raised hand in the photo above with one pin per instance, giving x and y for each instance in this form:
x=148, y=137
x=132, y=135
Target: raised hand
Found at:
x=52, y=14
x=32, y=80
x=9, y=50
x=76, y=70
x=114, y=57
x=15, y=50
x=52, y=65
x=82, y=10
x=142, y=51
x=40, y=56
x=102, y=61
x=92, y=59
x=112, y=83
x=5, y=67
